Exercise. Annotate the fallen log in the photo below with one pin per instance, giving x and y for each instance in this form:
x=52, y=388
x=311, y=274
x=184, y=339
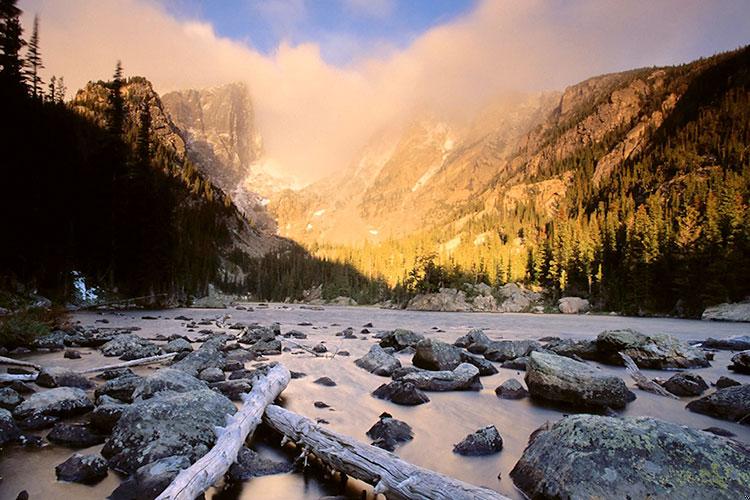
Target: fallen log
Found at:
x=308, y=349
x=390, y=475
x=193, y=481
x=9, y=377
x=18, y=362
x=643, y=382
x=135, y=362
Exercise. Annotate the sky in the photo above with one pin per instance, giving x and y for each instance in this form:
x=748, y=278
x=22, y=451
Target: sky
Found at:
x=325, y=75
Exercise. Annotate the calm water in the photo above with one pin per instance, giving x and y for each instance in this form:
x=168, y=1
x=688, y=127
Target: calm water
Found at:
x=437, y=425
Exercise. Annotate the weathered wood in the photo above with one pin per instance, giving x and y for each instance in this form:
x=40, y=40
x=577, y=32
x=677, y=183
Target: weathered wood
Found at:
x=135, y=362
x=9, y=377
x=297, y=344
x=642, y=381
x=18, y=362
x=200, y=476
x=391, y=476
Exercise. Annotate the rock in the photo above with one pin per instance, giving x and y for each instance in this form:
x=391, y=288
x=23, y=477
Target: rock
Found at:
x=320, y=349
x=559, y=379
x=55, y=376
x=211, y=375
x=739, y=311
x=515, y=298
x=9, y=431
x=21, y=387
x=167, y=379
x=484, y=303
x=297, y=375
x=117, y=372
x=388, y=432
x=402, y=393
x=734, y=343
x=504, y=350
x=446, y=299
x=464, y=377
x=17, y=370
x=130, y=346
x=86, y=469
x=436, y=355
x=485, y=366
x=685, y=384
x=233, y=366
x=178, y=345
x=59, y=402
x=724, y=382
x=741, y=362
x=251, y=464
x=511, y=389
x=325, y=381
x=400, y=339
x=270, y=347
x=378, y=361
x=121, y=388
x=573, y=305
x=214, y=300
x=589, y=456
x=233, y=389
x=74, y=435
x=583, y=349
x=516, y=364
x=475, y=341
x=72, y=354
x=150, y=480
x=9, y=398
x=343, y=301
x=38, y=422
x=106, y=415
x=240, y=356
x=208, y=356
x=648, y=351
x=719, y=431
x=731, y=403
x=55, y=340
x=321, y=404
x=167, y=424
x=485, y=441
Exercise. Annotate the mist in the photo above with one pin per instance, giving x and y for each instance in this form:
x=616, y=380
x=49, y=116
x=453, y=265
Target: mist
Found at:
x=314, y=116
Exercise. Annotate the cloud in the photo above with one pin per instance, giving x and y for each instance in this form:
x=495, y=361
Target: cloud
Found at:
x=314, y=116
x=370, y=8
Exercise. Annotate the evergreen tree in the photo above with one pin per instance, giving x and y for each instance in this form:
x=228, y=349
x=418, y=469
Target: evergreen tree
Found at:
x=34, y=61
x=11, y=66
x=60, y=91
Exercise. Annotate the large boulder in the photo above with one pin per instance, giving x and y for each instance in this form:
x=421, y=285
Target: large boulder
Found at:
x=167, y=379
x=208, y=356
x=465, y=377
x=504, y=350
x=150, y=480
x=515, y=298
x=562, y=380
x=436, y=355
x=378, y=361
x=121, y=388
x=733, y=343
x=130, y=346
x=167, y=424
x=58, y=402
x=446, y=299
x=401, y=393
x=107, y=413
x=475, y=341
x=74, y=435
x=86, y=469
x=589, y=456
x=685, y=384
x=9, y=431
x=573, y=305
x=741, y=362
x=583, y=349
x=178, y=345
x=56, y=376
x=401, y=339
x=485, y=441
x=649, y=351
x=731, y=403
x=739, y=311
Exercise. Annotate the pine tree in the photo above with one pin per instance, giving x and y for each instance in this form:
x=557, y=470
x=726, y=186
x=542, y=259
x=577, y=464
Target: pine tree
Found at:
x=12, y=78
x=51, y=88
x=34, y=61
x=60, y=91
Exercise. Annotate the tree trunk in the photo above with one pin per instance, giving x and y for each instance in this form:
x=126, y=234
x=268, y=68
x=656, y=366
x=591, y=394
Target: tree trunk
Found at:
x=135, y=362
x=200, y=476
x=391, y=476
x=643, y=382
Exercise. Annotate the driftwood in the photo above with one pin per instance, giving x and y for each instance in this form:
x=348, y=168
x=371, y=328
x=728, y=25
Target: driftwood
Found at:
x=643, y=382
x=193, y=481
x=18, y=362
x=135, y=362
x=9, y=377
x=113, y=302
x=297, y=344
x=391, y=476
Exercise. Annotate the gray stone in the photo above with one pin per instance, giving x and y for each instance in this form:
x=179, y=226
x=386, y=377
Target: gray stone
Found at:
x=388, y=432
x=211, y=375
x=178, y=345
x=436, y=355
x=734, y=343
x=485, y=366
x=573, y=305
x=741, y=362
x=511, y=389
x=106, y=414
x=59, y=402
x=485, y=441
x=55, y=376
x=402, y=393
x=167, y=379
x=731, y=403
x=74, y=435
x=378, y=361
x=9, y=398
x=649, y=351
x=86, y=469
x=475, y=341
x=739, y=311
x=326, y=381
x=130, y=345
x=400, y=339
x=583, y=349
x=685, y=384
x=588, y=456
x=251, y=464
x=208, y=356
x=724, y=382
x=9, y=431
x=150, y=480
x=505, y=350
x=465, y=377
x=121, y=388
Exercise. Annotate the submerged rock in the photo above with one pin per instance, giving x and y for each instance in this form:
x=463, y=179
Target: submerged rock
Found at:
x=485, y=441
x=251, y=464
x=649, y=351
x=465, y=377
x=59, y=402
x=436, y=355
x=511, y=389
x=685, y=384
x=378, y=361
x=86, y=469
x=588, y=456
x=167, y=424
x=326, y=381
x=741, y=362
x=402, y=393
x=563, y=380
x=731, y=403
x=388, y=432
x=150, y=480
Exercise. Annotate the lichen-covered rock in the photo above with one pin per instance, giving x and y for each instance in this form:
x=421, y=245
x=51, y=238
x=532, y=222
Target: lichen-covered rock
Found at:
x=58, y=402
x=401, y=339
x=588, y=456
x=741, y=362
x=9, y=431
x=74, y=435
x=511, y=389
x=233, y=389
x=55, y=376
x=563, y=380
x=251, y=464
x=267, y=347
x=583, y=349
x=465, y=377
x=378, y=361
x=150, y=480
x=685, y=384
x=131, y=346
x=731, y=403
x=734, y=343
x=475, y=341
x=211, y=375
x=485, y=441
x=402, y=393
x=167, y=424
x=107, y=413
x=167, y=379
x=86, y=469
x=739, y=311
x=53, y=340
x=178, y=345
x=9, y=398
x=388, y=432
x=436, y=355
x=505, y=350
x=208, y=356
x=121, y=388
x=648, y=351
